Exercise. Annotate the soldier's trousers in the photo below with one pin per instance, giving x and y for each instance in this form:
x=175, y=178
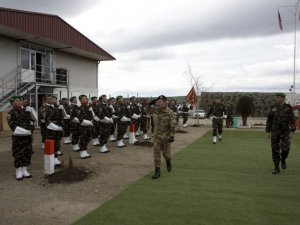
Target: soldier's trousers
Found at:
x=185, y=117
x=144, y=124
x=217, y=126
x=21, y=150
x=280, y=141
x=66, y=128
x=74, y=129
x=121, y=130
x=161, y=146
x=56, y=136
x=104, y=133
x=95, y=129
x=85, y=135
x=43, y=128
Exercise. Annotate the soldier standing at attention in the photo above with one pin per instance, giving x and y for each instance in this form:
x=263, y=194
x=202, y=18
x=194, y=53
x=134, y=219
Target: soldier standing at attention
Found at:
x=96, y=124
x=74, y=123
x=112, y=105
x=280, y=128
x=19, y=122
x=164, y=131
x=123, y=120
x=66, y=127
x=85, y=117
x=185, y=115
x=106, y=121
x=42, y=123
x=217, y=111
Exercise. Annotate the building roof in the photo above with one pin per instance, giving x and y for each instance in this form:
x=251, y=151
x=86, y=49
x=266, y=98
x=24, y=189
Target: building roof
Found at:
x=50, y=31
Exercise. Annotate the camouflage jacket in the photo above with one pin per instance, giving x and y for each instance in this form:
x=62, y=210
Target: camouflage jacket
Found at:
x=121, y=111
x=281, y=119
x=216, y=110
x=134, y=109
x=104, y=110
x=67, y=109
x=19, y=118
x=164, y=123
x=42, y=114
x=53, y=114
x=73, y=111
x=84, y=114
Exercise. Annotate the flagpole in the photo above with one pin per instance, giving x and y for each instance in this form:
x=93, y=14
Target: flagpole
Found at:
x=295, y=41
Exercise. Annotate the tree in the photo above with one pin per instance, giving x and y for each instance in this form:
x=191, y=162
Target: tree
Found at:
x=245, y=108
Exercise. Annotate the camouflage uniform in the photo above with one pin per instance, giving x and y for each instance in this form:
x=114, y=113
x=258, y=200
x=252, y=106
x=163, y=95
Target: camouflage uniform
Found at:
x=21, y=145
x=96, y=124
x=164, y=128
x=114, y=124
x=85, y=132
x=53, y=115
x=42, y=123
x=74, y=127
x=280, y=123
x=67, y=122
x=121, y=125
x=105, y=128
x=145, y=119
x=217, y=111
x=134, y=109
x=185, y=114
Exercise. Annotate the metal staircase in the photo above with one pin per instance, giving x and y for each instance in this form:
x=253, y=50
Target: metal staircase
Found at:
x=12, y=84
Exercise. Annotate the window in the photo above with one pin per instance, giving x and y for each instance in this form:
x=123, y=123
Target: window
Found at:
x=25, y=58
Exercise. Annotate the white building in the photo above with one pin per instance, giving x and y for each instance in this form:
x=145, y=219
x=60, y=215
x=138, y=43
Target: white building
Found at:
x=42, y=54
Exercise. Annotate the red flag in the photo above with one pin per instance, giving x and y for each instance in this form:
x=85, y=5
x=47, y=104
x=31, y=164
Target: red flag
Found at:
x=191, y=97
x=280, y=21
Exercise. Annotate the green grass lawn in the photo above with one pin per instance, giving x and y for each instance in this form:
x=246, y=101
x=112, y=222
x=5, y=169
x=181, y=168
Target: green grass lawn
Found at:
x=227, y=183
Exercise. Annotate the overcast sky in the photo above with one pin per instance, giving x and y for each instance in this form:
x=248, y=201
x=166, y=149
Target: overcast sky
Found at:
x=230, y=45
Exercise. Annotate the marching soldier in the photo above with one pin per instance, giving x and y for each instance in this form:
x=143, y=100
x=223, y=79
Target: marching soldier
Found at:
x=106, y=121
x=280, y=128
x=134, y=111
x=74, y=123
x=185, y=115
x=85, y=117
x=66, y=127
x=19, y=122
x=96, y=123
x=123, y=120
x=60, y=113
x=175, y=109
x=217, y=111
x=164, y=131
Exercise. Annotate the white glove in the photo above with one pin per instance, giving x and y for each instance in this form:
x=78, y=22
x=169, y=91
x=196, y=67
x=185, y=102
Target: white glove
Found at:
x=67, y=117
x=60, y=128
x=91, y=110
x=134, y=116
x=28, y=109
x=87, y=123
x=53, y=126
x=75, y=120
x=107, y=120
x=19, y=131
x=61, y=107
x=115, y=117
x=96, y=118
x=33, y=113
x=125, y=119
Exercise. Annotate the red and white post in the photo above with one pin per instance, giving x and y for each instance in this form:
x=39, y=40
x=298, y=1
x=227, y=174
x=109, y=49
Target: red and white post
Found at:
x=49, y=162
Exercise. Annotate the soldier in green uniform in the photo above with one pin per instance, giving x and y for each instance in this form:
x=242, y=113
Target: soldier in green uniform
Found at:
x=74, y=123
x=66, y=124
x=106, y=121
x=19, y=122
x=145, y=119
x=42, y=123
x=96, y=121
x=112, y=105
x=280, y=128
x=123, y=120
x=164, y=131
x=85, y=117
x=217, y=111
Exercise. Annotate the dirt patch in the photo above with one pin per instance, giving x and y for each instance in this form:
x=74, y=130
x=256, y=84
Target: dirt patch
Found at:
x=144, y=143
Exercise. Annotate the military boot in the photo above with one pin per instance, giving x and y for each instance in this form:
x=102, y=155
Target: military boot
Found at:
x=283, y=164
x=157, y=173
x=276, y=169
x=169, y=165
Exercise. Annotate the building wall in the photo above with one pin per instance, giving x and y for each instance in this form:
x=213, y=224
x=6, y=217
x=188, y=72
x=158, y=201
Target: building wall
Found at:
x=9, y=52
x=83, y=74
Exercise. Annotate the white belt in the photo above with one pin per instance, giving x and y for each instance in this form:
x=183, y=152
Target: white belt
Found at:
x=218, y=117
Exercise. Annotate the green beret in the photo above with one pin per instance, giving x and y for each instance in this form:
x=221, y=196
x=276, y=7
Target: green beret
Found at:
x=119, y=97
x=71, y=99
x=82, y=96
x=280, y=95
x=14, y=98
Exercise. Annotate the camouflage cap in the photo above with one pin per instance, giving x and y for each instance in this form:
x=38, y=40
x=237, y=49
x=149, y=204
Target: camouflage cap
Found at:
x=81, y=96
x=162, y=97
x=13, y=98
x=279, y=94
